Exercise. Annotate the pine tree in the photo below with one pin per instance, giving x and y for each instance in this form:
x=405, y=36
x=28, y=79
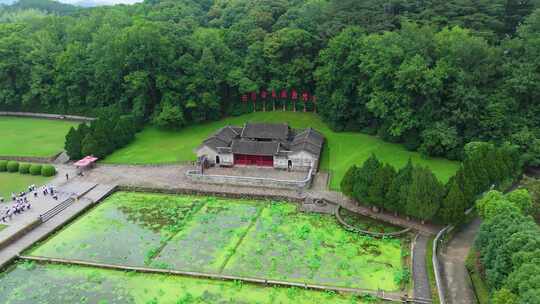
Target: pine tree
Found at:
x=90, y=146
x=73, y=145
x=453, y=205
x=364, y=178
x=348, y=180
x=397, y=192
x=378, y=190
x=466, y=186
x=424, y=194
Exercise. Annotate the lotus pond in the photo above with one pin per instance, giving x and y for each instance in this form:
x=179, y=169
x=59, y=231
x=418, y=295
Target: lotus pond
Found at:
x=56, y=284
x=235, y=237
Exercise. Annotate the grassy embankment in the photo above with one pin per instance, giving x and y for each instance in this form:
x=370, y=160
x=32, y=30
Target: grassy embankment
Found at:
x=342, y=149
x=30, y=137
x=480, y=287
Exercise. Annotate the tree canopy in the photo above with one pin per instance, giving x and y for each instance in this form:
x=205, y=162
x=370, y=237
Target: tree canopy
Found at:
x=433, y=75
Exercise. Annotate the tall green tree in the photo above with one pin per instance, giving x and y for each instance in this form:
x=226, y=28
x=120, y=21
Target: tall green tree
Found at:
x=424, y=194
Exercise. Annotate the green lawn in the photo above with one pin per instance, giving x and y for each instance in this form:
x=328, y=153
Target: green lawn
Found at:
x=32, y=137
x=15, y=182
x=342, y=150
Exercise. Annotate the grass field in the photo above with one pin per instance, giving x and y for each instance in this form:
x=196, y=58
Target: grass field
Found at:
x=341, y=151
x=31, y=137
x=229, y=236
x=15, y=182
x=53, y=284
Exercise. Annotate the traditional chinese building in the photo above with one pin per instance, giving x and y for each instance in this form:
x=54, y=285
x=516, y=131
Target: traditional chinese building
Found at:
x=264, y=145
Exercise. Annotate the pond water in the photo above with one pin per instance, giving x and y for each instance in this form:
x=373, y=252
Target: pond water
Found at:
x=250, y=238
x=29, y=283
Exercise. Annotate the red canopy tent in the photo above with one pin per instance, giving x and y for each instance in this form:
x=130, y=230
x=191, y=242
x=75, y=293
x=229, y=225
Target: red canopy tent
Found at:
x=86, y=163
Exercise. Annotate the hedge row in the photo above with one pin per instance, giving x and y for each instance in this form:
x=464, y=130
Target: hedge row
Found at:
x=23, y=168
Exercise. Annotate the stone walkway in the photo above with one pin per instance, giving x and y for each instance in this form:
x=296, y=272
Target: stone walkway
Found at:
x=456, y=280
x=347, y=203
x=8, y=253
x=422, y=289
x=40, y=205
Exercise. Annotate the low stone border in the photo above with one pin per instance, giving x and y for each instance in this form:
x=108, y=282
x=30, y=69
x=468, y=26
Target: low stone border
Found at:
x=47, y=116
x=382, y=295
x=31, y=159
x=203, y=192
x=156, y=165
x=373, y=234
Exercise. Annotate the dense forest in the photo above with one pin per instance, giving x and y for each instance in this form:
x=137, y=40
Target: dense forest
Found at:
x=432, y=74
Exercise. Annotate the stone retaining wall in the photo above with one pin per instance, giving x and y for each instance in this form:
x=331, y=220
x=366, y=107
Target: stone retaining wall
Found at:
x=47, y=116
x=233, y=195
x=29, y=227
x=196, y=176
x=373, y=234
x=28, y=159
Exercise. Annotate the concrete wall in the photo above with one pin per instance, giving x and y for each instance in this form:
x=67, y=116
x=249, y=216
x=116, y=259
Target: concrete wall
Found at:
x=302, y=161
x=281, y=162
x=47, y=116
x=226, y=159
x=196, y=176
x=210, y=154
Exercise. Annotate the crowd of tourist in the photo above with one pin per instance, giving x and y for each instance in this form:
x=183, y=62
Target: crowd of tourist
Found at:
x=21, y=203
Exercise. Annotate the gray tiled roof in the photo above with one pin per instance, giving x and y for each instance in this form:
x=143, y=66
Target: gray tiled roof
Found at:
x=266, y=131
x=231, y=139
x=308, y=140
x=266, y=148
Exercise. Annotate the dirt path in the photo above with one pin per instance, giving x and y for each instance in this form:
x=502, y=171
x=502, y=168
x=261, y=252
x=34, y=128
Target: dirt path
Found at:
x=457, y=282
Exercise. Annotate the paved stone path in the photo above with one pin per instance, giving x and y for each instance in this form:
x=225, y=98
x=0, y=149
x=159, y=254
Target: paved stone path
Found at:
x=349, y=204
x=422, y=289
x=455, y=277
x=8, y=253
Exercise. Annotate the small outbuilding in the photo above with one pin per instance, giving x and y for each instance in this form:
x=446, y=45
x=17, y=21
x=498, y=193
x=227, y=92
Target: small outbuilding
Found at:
x=264, y=145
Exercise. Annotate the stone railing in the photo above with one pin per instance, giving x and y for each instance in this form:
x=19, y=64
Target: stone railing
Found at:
x=48, y=116
x=349, y=227
x=438, y=242
x=197, y=176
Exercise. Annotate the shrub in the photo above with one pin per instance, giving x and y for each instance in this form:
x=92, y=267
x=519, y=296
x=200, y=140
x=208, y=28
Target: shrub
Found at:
x=48, y=170
x=24, y=168
x=3, y=165
x=35, y=169
x=12, y=166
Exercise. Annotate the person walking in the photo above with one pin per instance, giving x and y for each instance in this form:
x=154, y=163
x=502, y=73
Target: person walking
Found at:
x=67, y=176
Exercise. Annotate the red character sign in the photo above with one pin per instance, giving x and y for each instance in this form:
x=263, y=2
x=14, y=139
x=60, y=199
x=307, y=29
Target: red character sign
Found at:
x=305, y=96
x=294, y=94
